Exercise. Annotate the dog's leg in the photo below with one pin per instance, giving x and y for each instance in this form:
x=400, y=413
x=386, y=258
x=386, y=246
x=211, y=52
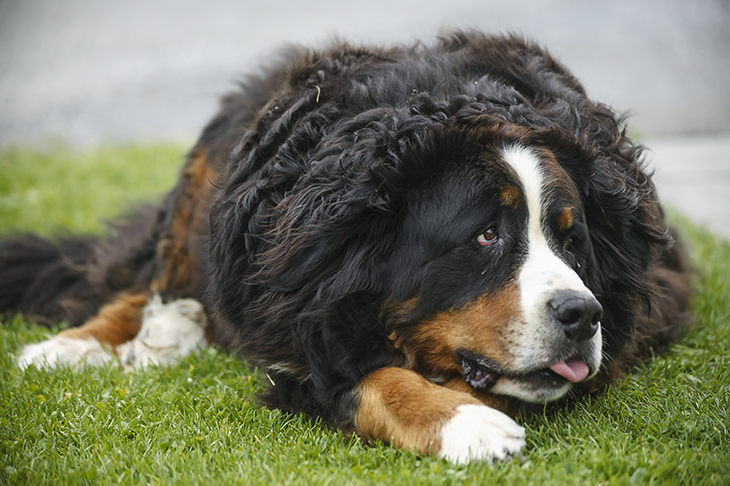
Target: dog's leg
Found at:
x=94, y=342
x=169, y=331
x=401, y=407
x=182, y=248
x=175, y=329
x=139, y=332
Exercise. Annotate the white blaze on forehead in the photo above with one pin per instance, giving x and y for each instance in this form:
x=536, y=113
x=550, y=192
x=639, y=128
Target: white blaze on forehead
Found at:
x=543, y=273
x=527, y=167
x=542, y=266
x=542, y=263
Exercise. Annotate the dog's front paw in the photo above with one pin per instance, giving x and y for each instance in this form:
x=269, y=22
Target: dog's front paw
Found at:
x=64, y=351
x=169, y=331
x=480, y=433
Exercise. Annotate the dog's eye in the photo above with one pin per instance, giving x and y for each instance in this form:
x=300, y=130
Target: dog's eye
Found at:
x=489, y=237
x=568, y=245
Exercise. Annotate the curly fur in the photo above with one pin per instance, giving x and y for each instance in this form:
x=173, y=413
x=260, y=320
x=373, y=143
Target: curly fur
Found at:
x=332, y=221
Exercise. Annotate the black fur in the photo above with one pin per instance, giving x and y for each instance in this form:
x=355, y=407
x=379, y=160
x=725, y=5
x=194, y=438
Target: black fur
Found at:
x=330, y=212
x=70, y=278
x=351, y=180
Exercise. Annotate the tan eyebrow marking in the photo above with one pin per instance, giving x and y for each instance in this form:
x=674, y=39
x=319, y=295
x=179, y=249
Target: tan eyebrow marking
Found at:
x=565, y=220
x=509, y=196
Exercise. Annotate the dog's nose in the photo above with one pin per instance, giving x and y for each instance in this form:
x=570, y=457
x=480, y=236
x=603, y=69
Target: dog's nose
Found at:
x=579, y=314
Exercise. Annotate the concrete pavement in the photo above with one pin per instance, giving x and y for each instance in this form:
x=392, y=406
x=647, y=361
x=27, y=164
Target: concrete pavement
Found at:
x=89, y=72
x=692, y=175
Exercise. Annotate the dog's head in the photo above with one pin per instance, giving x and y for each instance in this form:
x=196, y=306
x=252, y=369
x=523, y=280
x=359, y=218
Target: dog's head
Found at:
x=495, y=248
x=420, y=213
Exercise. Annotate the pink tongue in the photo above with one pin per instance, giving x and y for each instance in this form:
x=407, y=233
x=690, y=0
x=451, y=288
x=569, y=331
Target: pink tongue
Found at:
x=572, y=370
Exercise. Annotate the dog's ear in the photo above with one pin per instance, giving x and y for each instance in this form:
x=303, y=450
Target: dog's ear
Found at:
x=626, y=227
x=338, y=248
x=331, y=235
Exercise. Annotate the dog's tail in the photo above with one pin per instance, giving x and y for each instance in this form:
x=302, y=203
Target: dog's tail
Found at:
x=69, y=279
x=47, y=281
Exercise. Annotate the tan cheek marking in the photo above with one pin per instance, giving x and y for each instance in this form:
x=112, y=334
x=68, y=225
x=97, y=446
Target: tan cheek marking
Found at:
x=178, y=260
x=484, y=327
x=509, y=196
x=565, y=220
x=115, y=324
x=401, y=407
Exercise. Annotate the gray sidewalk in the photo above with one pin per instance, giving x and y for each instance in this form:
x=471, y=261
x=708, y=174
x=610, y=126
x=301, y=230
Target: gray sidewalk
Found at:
x=89, y=72
x=692, y=175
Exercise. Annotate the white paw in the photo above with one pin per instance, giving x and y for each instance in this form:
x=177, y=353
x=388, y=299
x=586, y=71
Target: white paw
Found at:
x=480, y=433
x=169, y=331
x=64, y=351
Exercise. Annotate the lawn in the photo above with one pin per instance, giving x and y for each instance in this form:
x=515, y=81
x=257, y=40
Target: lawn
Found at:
x=198, y=423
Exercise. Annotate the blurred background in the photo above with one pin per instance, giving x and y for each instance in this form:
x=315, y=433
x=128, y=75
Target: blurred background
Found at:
x=88, y=73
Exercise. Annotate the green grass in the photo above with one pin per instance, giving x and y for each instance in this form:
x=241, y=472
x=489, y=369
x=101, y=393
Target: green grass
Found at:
x=197, y=423
x=62, y=190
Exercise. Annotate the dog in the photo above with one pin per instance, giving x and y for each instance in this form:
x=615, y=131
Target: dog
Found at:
x=416, y=243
